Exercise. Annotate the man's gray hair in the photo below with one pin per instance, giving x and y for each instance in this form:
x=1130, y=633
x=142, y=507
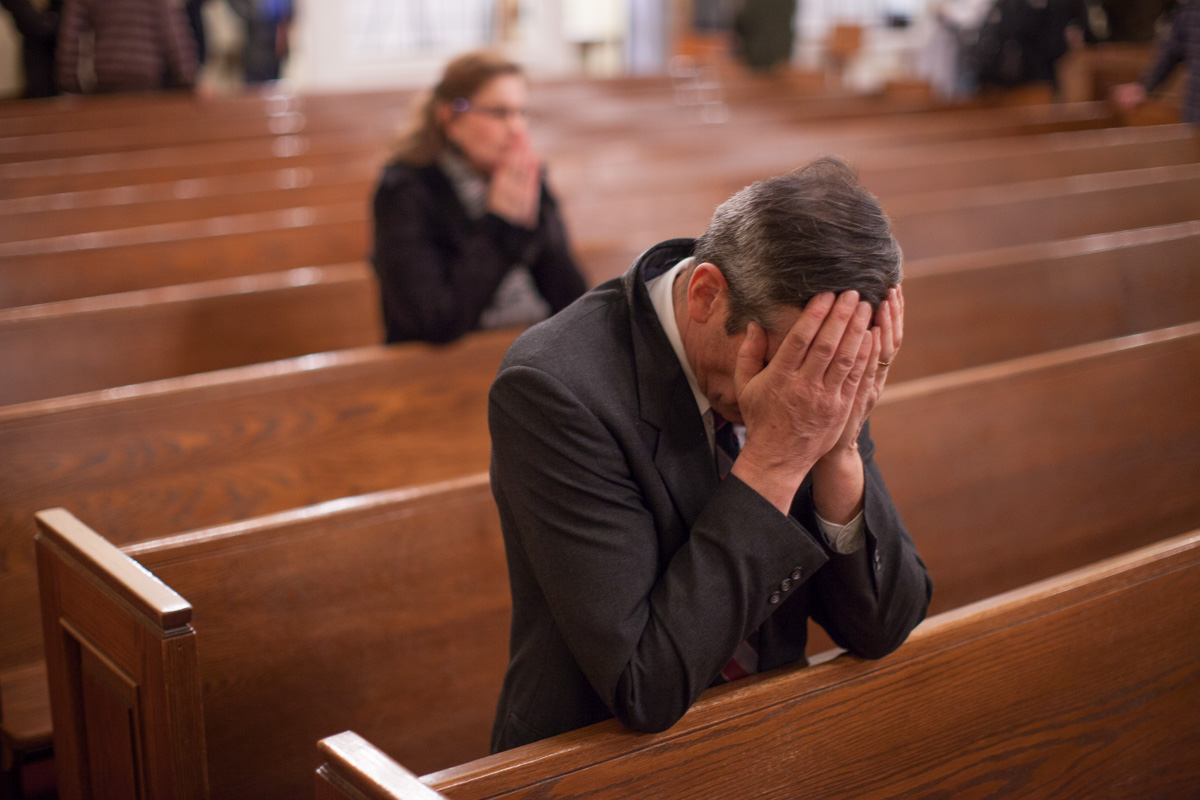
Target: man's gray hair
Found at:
x=783, y=240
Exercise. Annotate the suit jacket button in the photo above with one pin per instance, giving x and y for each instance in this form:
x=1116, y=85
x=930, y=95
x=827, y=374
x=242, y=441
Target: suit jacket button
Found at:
x=774, y=598
x=785, y=585
x=796, y=574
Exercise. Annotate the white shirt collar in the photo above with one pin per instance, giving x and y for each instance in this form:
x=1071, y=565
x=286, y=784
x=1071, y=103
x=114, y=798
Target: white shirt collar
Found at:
x=663, y=299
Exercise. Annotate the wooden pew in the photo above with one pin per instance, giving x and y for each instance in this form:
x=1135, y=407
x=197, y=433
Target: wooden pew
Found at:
x=175, y=130
x=91, y=112
x=155, y=459
x=939, y=223
x=180, y=201
x=231, y=574
x=188, y=252
x=965, y=310
x=193, y=163
x=1085, y=685
x=970, y=309
x=405, y=593
x=556, y=140
x=926, y=225
x=115, y=340
x=626, y=171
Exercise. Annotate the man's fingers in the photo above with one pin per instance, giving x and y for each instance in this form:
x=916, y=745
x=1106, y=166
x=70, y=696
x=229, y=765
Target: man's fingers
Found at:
x=749, y=357
x=794, y=347
x=898, y=318
x=858, y=373
x=883, y=323
x=823, y=346
x=848, y=346
x=875, y=374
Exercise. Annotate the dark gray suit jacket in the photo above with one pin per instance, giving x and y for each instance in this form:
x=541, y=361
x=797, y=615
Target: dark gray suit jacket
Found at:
x=635, y=572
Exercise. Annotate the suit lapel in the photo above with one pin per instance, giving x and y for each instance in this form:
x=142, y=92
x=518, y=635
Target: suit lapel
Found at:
x=665, y=401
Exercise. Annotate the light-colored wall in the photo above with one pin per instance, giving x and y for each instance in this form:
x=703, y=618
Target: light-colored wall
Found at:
x=352, y=44
x=11, y=81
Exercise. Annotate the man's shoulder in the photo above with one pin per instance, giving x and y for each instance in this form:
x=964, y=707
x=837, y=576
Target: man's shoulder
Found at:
x=580, y=340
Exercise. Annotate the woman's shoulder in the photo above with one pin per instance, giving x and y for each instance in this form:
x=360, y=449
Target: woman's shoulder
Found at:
x=401, y=173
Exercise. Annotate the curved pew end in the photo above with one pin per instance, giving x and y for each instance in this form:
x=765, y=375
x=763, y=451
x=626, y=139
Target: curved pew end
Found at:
x=122, y=665
x=355, y=769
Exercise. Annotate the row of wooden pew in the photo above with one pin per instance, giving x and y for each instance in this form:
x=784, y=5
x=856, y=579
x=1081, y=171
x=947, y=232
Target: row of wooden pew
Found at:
x=390, y=608
x=322, y=549
x=1061, y=688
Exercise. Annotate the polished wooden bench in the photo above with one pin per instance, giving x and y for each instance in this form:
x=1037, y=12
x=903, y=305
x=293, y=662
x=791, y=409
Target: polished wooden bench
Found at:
x=608, y=236
x=75, y=346
x=965, y=310
x=1084, y=684
x=390, y=611
x=147, y=461
x=559, y=137
x=939, y=223
x=48, y=216
x=626, y=171
x=342, y=561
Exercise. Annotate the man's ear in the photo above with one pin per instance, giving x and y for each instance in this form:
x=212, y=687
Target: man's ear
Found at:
x=707, y=292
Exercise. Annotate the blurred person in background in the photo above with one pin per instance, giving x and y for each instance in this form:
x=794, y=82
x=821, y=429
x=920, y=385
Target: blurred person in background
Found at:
x=1181, y=46
x=37, y=23
x=268, y=24
x=955, y=28
x=1021, y=41
x=138, y=45
x=467, y=233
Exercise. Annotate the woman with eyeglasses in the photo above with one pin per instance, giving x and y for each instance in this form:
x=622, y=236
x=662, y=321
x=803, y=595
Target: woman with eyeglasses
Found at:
x=467, y=234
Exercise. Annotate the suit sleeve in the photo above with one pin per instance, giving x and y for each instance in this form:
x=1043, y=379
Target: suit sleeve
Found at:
x=435, y=290
x=1169, y=55
x=870, y=600
x=650, y=636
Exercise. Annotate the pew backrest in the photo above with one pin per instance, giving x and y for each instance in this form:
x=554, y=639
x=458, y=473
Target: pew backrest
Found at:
x=1016, y=471
x=332, y=566
x=1085, y=684
x=964, y=310
x=73, y=346
x=151, y=460
x=387, y=611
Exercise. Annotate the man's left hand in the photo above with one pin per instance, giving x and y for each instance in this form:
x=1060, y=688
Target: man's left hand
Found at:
x=838, y=476
x=889, y=334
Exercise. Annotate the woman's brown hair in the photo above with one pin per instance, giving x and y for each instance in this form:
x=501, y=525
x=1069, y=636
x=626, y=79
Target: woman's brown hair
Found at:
x=423, y=140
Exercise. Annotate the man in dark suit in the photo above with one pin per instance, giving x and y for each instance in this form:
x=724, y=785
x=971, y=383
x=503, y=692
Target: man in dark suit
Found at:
x=640, y=576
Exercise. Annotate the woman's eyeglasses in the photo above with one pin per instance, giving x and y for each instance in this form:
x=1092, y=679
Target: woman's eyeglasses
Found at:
x=498, y=113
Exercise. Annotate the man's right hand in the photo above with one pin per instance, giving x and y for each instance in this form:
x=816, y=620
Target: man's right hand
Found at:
x=796, y=406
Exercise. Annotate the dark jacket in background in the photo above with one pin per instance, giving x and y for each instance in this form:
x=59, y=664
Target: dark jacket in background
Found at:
x=1182, y=45
x=39, y=35
x=1133, y=20
x=438, y=269
x=266, y=46
x=139, y=45
x=764, y=32
x=1021, y=41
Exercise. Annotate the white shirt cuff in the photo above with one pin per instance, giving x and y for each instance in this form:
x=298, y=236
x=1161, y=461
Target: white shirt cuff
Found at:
x=844, y=539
